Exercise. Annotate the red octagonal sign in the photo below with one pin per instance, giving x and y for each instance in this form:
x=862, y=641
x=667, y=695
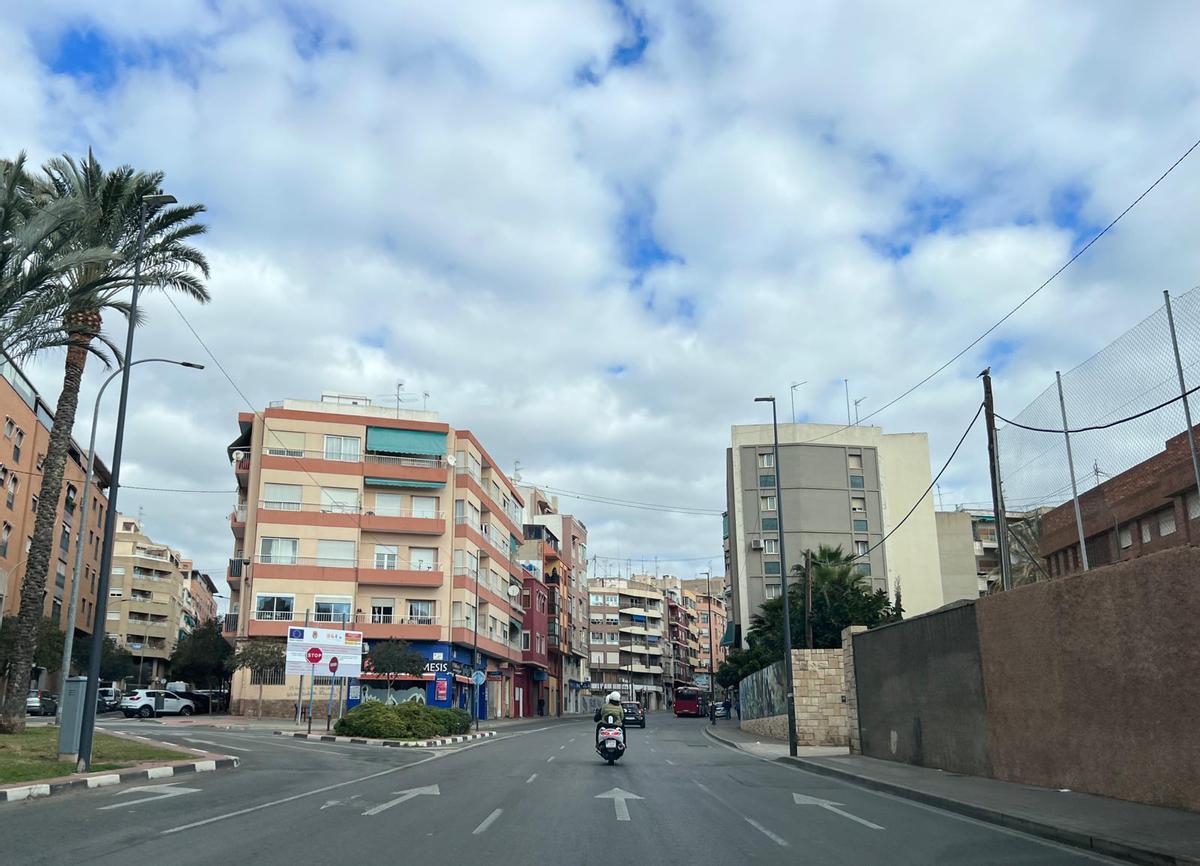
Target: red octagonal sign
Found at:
x=333, y=665
x=313, y=655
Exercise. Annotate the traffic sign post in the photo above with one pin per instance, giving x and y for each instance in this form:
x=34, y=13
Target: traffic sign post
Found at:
x=333, y=666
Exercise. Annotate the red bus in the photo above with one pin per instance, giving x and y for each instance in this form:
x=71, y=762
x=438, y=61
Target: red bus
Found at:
x=687, y=702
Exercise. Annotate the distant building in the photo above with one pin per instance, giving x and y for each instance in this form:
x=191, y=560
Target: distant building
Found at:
x=710, y=625
x=845, y=487
x=1149, y=507
x=626, y=637
x=969, y=549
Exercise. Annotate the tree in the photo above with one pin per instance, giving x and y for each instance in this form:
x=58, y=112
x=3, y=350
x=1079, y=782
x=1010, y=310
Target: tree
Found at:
x=261, y=656
x=1024, y=539
x=47, y=656
x=116, y=662
x=111, y=205
x=392, y=658
x=202, y=656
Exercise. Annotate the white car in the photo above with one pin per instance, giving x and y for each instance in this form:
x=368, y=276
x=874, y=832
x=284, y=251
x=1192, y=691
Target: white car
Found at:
x=149, y=703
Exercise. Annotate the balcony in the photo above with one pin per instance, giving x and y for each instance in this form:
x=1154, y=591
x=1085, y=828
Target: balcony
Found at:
x=399, y=627
x=386, y=571
x=237, y=521
x=381, y=571
x=230, y=625
x=405, y=520
x=270, y=623
x=241, y=471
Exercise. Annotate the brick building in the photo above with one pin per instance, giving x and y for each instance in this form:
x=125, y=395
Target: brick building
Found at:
x=1149, y=507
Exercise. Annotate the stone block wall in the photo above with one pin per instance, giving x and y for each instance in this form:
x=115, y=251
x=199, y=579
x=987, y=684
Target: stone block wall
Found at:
x=820, y=706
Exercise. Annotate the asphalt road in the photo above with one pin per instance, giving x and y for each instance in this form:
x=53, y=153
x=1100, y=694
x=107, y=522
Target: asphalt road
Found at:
x=536, y=794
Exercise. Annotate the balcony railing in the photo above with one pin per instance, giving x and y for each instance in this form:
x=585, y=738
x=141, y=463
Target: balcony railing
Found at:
x=231, y=622
x=393, y=460
x=384, y=562
x=239, y=514
x=277, y=615
x=396, y=619
x=429, y=462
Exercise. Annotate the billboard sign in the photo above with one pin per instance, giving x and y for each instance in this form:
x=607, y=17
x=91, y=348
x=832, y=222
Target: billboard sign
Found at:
x=307, y=647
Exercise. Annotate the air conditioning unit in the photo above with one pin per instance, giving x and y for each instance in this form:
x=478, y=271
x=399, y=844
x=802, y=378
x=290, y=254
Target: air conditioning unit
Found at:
x=756, y=544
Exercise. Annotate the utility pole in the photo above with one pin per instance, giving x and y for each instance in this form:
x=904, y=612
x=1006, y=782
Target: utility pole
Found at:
x=1062, y=405
x=989, y=414
x=808, y=574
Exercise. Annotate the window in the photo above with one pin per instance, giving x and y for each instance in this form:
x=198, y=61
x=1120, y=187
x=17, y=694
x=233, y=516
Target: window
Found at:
x=282, y=497
x=1166, y=521
x=704, y=617
x=856, y=482
x=612, y=600
x=1125, y=536
x=272, y=607
x=339, y=500
x=285, y=443
x=382, y=609
x=64, y=538
x=275, y=677
x=389, y=504
x=345, y=448
x=18, y=439
x=766, y=461
x=335, y=553
x=1192, y=501
x=4, y=534
x=612, y=638
x=116, y=592
x=596, y=599
x=766, y=503
x=612, y=658
x=597, y=637
x=420, y=612
x=386, y=555
x=612, y=618
x=858, y=504
x=422, y=558
x=60, y=575
x=424, y=506
x=541, y=644
x=770, y=545
x=863, y=568
x=770, y=523
x=1145, y=532
x=332, y=608
x=13, y=483
x=69, y=502
x=860, y=525
x=861, y=548
x=280, y=551
x=773, y=590
x=525, y=640
x=771, y=567
x=854, y=461
x=541, y=602
x=766, y=481
x=8, y=428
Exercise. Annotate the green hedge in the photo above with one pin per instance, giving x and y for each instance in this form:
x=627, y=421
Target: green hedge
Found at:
x=406, y=721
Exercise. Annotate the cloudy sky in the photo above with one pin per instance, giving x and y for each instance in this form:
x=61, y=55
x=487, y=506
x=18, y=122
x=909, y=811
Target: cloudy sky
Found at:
x=595, y=231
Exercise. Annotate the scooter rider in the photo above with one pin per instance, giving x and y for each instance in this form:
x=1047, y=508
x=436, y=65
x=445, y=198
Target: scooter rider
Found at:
x=612, y=708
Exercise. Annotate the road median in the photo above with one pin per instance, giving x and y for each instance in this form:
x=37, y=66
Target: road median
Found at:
x=411, y=744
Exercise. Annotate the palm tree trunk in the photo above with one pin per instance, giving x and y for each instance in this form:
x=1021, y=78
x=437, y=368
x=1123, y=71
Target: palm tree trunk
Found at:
x=37, y=565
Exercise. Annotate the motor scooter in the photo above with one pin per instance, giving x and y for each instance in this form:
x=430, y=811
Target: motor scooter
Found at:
x=610, y=739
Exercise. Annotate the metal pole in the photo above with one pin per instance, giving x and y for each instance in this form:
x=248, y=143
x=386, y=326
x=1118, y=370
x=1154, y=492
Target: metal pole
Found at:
x=475, y=654
x=787, y=608
x=110, y=520
x=997, y=500
x=300, y=688
x=312, y=690
x=1187, y=412
x=711, y=656
x=1062, y=405
x=846, y=382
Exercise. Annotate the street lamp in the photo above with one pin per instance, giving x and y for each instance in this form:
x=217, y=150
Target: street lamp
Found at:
x=787, y=604
x=69, y=638
x=88, y=723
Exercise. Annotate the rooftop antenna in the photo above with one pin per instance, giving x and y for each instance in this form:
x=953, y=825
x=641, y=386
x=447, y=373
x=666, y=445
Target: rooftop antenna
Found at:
x=516, y=471
x=424, y=401
x=941, y=504
x=856, y=402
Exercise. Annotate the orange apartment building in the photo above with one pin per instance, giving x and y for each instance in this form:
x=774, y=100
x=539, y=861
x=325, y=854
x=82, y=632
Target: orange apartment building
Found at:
x=25, y=434
x=390, y=521
x=711, y=621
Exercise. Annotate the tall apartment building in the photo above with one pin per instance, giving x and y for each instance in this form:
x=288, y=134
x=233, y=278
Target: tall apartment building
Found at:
x=678, y=643
x=710, y=624
x=843, y=487
x=626, y=638
x=23, y=441
x=154, y=600
x=390, y=521
x=563, y=554
x=969, y=548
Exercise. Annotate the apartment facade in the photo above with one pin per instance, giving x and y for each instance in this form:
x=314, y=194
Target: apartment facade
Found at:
x=151, y=604
x=199, y=597
x=711, y=621
x=626, y=639
x=389, y=521
x=23, y=442
x=969, y=548
x=842, y=487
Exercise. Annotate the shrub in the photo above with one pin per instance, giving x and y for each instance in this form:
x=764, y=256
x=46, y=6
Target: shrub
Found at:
x=406, y=721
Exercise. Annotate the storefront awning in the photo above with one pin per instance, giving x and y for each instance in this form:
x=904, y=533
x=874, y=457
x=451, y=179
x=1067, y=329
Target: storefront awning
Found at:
x=401, y=482
x=730, y=636
x=391, y=441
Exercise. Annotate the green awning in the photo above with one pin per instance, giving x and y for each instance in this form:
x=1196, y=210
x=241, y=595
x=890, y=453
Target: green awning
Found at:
x=391, y=441
x=401, y=482
x=730, y=636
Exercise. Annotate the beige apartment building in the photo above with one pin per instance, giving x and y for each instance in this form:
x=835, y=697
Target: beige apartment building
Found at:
x=23, y=439
x=710, y=624
x=626, y=638
x=389, y=521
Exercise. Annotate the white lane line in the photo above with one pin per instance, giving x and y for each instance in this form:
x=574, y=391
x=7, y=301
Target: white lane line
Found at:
x=309, y=748
x=669, y=761
x=531, y=778
x=560, y=748
x=760, y=828
x=487, y=822
x=571, y=740
x=551, y=758
x=222, y=745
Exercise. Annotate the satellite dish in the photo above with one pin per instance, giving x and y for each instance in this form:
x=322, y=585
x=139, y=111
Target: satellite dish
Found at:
x=514, y=590
x=450, y=461
x=238, y=455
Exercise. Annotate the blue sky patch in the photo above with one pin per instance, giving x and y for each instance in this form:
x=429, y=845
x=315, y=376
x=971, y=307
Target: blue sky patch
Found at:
x=615, y=369
x=376, y=338
x=86, y=54
x=999, y=353
x=1067, y=204
x=630, y=50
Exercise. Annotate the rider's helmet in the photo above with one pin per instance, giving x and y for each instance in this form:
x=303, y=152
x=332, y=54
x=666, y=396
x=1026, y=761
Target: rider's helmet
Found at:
x=614, y=697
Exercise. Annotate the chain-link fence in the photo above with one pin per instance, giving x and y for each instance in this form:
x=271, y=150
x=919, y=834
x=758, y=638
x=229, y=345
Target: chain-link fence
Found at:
x=1133, y=374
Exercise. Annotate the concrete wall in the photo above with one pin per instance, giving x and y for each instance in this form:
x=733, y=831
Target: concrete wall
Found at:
x=920, y=691
x=820, y=705
x=956, y=555
x=1093, y=681
x=851, y=687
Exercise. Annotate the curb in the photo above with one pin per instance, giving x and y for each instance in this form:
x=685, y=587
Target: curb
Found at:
x=408, y=744
x=1098, y=844
x=103, y=780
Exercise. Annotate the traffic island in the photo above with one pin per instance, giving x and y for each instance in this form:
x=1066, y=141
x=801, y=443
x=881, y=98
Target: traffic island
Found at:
x=413, y=744
x=29, y=765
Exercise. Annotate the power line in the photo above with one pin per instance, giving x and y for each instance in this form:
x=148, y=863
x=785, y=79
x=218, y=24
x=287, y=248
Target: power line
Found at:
x=1141, y=414
x=1028, y=297
x=174, y=489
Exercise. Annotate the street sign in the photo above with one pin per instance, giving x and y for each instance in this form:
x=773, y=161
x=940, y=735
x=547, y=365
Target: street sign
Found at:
x=479, y=678
x=346, y=646
x=333, y=665
x=313, y=655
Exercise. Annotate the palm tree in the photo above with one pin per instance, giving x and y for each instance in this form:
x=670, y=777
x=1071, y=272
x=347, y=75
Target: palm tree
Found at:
x=111, y=203
x=1025, y=537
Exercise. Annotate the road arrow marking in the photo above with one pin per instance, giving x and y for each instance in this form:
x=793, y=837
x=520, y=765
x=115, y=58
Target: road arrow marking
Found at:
x=329, y=803
x=802, y=800
x=618, y=797
x=431, y=790
x=165, y=792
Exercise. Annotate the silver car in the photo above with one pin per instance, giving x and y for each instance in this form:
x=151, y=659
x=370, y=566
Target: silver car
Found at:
x=40, y=703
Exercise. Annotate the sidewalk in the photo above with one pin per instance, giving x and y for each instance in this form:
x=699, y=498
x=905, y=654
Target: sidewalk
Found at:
x=1133, y=831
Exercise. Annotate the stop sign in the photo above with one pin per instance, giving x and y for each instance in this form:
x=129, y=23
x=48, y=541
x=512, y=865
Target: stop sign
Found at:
x=313, y=655
x=333, y=663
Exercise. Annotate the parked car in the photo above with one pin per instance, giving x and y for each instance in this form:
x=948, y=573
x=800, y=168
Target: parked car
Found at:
x=149, y=703
x=200, y=701
x=720, y=711
x=635, y=714
x=108, y=699
x=218, y=701
x=41, y=703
